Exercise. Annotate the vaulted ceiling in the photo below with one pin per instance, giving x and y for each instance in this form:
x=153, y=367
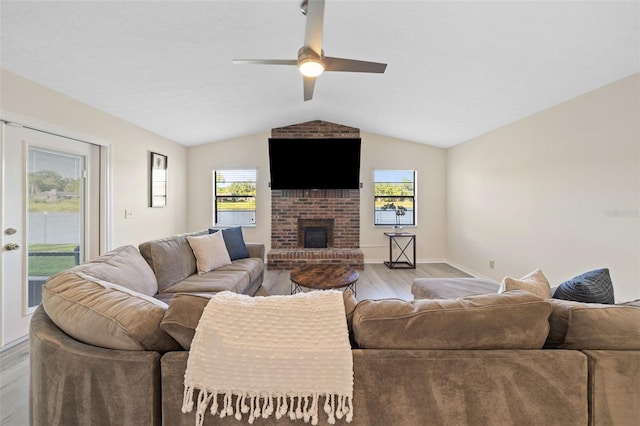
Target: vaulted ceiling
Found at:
x=456, y=69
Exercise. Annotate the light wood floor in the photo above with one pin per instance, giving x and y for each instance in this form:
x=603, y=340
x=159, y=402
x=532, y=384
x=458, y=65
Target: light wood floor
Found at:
x=14, y=385
x=376, y=282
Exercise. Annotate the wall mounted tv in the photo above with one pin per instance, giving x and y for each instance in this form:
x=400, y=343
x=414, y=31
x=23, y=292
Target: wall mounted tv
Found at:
x=331, y=163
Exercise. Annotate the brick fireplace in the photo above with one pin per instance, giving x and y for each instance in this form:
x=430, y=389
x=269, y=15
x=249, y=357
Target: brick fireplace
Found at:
x=333, y=213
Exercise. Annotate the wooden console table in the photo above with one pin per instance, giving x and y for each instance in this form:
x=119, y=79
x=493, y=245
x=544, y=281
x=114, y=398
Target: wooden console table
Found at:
x=403, y=240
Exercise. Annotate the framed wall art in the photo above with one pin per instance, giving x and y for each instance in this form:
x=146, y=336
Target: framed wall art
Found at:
x=158, y=180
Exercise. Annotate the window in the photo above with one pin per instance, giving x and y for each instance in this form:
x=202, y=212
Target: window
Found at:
x=234, y=197
x=394, y=199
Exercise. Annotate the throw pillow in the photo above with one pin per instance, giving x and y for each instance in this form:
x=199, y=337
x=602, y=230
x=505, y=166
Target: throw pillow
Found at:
x=210, y=252
x=105, y=314
x=234, y=241
x=125, y=266
x=534, y=282
x=591, y=287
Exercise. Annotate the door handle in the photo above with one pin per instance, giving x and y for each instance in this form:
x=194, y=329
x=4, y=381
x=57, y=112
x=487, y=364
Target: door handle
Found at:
x=12, y=246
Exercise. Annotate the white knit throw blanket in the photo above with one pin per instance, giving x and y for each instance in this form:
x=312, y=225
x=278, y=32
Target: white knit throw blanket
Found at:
x=271, y=355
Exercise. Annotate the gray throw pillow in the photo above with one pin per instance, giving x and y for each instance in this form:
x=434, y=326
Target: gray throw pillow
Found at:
x=591, y=287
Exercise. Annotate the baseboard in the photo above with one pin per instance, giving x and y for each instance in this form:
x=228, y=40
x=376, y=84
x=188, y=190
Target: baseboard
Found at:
x=14, y=343
x=467, y=270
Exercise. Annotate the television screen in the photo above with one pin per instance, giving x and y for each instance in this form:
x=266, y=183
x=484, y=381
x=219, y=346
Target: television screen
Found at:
x=314, y=163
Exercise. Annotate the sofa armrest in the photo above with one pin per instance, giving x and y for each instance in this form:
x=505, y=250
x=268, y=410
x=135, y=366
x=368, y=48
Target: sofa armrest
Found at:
x=256, y=250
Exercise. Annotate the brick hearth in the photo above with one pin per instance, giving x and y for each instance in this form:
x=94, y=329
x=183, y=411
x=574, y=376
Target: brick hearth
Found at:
x=289, y=206
x=284, y=259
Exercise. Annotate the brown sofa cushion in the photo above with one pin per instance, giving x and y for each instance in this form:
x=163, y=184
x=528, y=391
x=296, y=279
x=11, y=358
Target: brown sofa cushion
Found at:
x=184, y=312
x=578, y=325
x=511, y=320
x=212, y=282
x=252, y=265
x=182, y=317
x=124, y=266
x=171, y=258
x=105, y=314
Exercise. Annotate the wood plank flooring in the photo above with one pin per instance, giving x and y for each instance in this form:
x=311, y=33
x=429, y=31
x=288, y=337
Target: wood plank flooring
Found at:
x=376, y=282
x=14, y=385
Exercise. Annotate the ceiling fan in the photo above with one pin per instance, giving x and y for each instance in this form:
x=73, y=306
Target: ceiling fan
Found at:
x=311, y=60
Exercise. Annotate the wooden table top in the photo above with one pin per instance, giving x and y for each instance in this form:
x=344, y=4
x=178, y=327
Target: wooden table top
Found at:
x=324, y=276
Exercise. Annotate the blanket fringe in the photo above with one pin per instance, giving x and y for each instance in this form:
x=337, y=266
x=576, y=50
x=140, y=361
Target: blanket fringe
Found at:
x=300, y=406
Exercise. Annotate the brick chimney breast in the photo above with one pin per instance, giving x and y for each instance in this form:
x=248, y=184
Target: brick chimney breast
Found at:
x=289, y=207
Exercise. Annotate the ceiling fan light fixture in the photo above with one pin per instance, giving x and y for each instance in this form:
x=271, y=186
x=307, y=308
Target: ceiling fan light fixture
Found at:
x=311, y=67
x=310, y=63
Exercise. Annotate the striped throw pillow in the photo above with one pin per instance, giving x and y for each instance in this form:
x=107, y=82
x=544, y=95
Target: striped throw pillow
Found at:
x=591, y=287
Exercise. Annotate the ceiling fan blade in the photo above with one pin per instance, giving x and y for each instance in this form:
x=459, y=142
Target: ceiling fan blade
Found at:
x=266, y=61
x=313, y=29
x=352, y=65
x=309, y=83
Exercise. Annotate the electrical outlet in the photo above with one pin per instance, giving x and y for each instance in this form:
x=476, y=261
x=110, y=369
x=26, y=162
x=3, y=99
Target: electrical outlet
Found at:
x=492, y=264
x=128, y=214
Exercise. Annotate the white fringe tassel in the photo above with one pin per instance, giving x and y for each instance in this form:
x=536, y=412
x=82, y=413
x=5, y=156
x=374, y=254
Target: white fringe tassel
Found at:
x=299, y=406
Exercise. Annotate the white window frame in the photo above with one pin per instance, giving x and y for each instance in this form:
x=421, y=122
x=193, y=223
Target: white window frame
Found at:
x=405, y=198
x=246, y=217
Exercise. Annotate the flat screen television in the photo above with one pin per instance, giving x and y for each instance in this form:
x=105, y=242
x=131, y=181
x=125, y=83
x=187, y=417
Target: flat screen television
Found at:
x=331, y=163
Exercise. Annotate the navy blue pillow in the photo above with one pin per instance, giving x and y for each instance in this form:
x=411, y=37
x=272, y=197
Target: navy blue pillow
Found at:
x=234, y=241
x=591, y=287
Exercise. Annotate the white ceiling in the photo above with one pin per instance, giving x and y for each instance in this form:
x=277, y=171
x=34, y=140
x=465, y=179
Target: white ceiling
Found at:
x=455, y=69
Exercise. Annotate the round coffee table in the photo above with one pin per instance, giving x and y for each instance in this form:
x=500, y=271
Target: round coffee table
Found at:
x=323, y=277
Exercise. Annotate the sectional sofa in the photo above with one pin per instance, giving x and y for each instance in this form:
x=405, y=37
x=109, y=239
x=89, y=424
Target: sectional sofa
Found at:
x=110, y=345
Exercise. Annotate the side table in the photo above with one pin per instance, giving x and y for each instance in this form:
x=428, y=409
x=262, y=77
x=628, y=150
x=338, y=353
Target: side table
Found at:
x=403, y=240
x=323, y=277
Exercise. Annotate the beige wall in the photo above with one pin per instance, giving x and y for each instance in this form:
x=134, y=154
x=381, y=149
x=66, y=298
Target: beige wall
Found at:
x=381, y=152
x=559, y=190
x=130, y=147
x=377, y=152
x=250, y=152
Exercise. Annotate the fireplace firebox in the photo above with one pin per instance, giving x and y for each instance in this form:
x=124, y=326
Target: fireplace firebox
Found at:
x=315, y=237
x=315, y=233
